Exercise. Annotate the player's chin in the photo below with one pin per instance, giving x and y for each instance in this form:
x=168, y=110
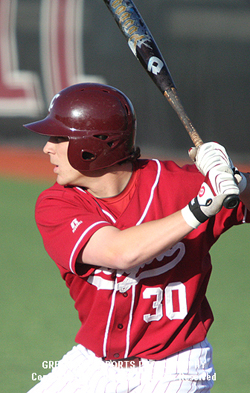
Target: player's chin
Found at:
x=64, y=180
x=61, y=180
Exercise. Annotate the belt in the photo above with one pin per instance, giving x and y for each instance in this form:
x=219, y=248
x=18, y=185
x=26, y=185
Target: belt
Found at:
x=124, y=363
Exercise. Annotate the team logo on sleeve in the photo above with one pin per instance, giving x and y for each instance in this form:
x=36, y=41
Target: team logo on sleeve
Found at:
x=75, y=224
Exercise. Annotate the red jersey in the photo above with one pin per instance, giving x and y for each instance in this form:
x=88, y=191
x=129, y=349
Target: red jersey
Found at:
x=153, y=310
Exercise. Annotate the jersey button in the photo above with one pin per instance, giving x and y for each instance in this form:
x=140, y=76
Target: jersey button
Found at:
x=120, y=326
x=125, y=294
x=116, y=355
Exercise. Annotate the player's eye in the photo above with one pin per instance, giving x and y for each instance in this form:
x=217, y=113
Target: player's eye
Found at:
x=58, y=139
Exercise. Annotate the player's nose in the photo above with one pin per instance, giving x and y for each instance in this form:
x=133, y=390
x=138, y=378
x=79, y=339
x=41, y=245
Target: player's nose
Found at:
x=49, y=148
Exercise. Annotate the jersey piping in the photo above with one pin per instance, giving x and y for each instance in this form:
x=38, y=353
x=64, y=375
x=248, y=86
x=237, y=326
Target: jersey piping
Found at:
x=245, y=216
x=130, y=322
x=79, y=241
x=152, y=192
x=109, y=215
x=109, y=321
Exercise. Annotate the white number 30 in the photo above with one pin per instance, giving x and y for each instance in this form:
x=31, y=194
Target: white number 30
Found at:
x=180, y=289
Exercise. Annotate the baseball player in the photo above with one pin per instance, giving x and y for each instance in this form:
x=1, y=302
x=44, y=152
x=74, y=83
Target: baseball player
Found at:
x=131, y=238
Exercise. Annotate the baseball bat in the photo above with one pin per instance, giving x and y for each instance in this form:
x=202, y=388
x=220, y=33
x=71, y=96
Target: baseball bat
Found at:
x=145, y=49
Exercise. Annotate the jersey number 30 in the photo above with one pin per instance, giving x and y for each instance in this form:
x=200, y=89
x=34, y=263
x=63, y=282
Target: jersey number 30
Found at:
x=172, y=312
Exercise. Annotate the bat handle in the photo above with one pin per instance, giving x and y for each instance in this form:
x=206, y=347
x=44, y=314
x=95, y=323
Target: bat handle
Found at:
x=231, y=201
x=176, y=104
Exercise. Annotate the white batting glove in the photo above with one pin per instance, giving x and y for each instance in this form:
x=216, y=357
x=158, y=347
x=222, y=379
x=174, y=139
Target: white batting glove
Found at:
x=212, y=154
x=222, y=180
x=208, y=156
x=210, y=198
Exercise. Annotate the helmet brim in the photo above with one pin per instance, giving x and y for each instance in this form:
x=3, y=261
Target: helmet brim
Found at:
x=48, y=126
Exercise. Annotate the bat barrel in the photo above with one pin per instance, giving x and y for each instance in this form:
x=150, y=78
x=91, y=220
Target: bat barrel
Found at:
x=144, y=47
x=141, y=41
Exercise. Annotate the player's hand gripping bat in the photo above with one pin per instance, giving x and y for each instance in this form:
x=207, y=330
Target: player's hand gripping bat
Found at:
x=144, y=47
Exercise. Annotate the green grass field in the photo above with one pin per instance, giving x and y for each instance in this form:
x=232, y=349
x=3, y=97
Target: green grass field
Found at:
x=39, y=321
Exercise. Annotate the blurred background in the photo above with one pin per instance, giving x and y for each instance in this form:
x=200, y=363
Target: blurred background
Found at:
x=46, y=45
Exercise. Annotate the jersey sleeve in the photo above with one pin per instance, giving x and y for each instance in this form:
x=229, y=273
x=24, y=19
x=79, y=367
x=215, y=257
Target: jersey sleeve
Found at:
x=66, y=223
x=227, y=218
x=190, y=179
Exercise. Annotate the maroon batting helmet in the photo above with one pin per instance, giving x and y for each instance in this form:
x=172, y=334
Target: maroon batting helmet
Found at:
x=99, y=121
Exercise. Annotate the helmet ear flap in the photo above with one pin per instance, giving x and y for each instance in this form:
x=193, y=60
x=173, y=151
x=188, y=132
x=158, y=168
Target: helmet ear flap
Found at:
x=88, y=156
x=80, y=156
x=84, y=154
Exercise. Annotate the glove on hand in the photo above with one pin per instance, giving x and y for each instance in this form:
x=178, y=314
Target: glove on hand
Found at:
x=222, y=180
x=210, y=155
x=210, y=198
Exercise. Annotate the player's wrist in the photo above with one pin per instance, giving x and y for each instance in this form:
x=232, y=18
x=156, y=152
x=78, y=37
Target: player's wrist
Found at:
x=193, y=215
x=205, y=205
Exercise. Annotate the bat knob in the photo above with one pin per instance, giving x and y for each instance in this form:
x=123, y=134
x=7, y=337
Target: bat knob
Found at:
x=231, y=201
